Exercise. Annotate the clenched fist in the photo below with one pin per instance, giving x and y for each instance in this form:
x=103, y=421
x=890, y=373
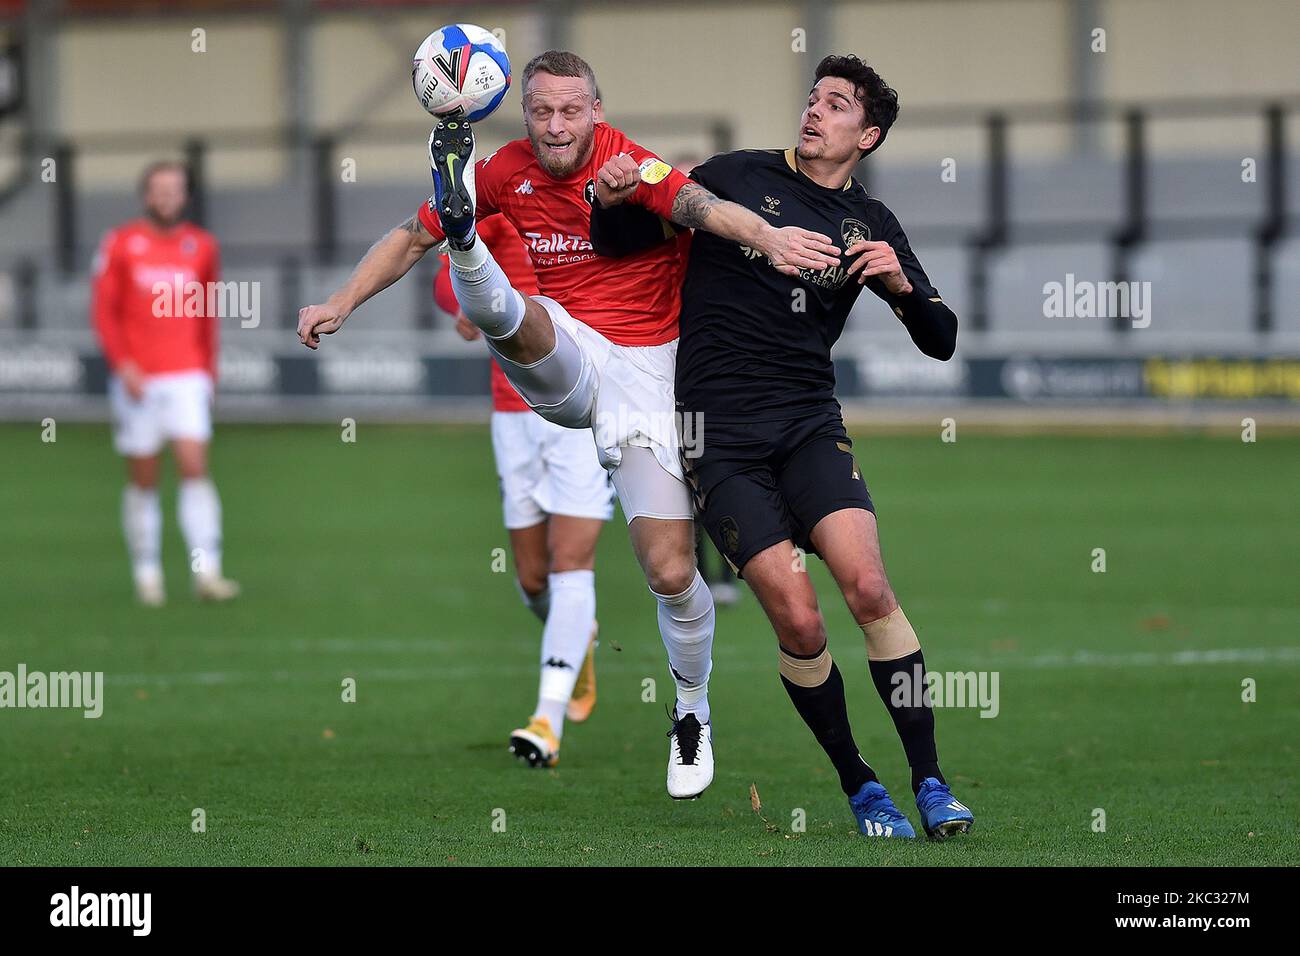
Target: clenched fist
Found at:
x=617, y=180
x=317, y=320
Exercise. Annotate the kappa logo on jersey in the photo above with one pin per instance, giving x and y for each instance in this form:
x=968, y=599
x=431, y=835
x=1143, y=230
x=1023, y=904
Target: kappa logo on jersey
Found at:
x=556, y=243
x=525, y=188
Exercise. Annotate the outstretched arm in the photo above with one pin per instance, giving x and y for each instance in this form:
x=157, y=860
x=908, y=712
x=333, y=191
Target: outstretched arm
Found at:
x=790, y=249
x=387, y=261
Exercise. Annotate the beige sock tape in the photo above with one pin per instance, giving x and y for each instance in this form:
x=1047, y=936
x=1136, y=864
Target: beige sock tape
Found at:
x=801, y=672
x=891, y=637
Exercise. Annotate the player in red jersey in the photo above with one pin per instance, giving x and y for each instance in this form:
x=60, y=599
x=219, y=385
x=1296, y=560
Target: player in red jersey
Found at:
x=163, y=365
x=555, y=497
x=596, y=349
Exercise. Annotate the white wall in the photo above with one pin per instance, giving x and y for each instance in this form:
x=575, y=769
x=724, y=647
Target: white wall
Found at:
x=727, y=59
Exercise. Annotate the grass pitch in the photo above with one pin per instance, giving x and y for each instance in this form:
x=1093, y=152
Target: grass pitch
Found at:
x=1119, y=692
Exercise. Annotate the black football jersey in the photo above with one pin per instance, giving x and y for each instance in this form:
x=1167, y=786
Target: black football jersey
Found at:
x=756, y=344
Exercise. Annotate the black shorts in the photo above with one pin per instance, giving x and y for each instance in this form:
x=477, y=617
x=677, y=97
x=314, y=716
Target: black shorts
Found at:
x=759, y=483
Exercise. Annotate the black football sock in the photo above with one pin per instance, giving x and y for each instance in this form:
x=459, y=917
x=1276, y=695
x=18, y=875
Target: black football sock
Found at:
x=817, y=691
x=907, y=698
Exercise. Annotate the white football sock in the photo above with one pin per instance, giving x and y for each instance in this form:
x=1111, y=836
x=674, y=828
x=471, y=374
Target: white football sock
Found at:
x=484, y=293
x=199, y=511
x=564, y=641
x=539, y=603
x=686, y=626
x=470, y=260
x=142, y=525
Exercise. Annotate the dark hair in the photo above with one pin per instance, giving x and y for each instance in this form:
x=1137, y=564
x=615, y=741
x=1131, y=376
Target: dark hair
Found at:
x=163, y=165
x=879, y=100
x=561, y=63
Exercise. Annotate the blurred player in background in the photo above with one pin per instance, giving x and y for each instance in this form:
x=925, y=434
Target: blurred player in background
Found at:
x=556, y=498
x=162, y=370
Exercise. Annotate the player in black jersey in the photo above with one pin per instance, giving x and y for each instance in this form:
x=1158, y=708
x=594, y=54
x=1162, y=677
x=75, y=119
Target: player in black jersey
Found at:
x=775, y=475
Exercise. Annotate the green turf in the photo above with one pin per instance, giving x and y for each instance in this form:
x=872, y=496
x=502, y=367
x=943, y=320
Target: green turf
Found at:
x=374, y=560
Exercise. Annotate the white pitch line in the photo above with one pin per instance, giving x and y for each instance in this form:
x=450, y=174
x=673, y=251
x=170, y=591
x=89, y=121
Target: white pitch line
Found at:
x=1232, y=655
x=1235, y=655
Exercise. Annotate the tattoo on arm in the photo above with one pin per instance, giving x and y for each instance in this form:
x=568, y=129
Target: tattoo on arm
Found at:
x=692, y=205
x=422, y=238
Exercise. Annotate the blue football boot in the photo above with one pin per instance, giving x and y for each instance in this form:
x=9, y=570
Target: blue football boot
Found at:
x=876, y=814
x=941, y=814
x=451, y=157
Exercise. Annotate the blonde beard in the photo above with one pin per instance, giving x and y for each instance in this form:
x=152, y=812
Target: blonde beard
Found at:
x=583, y=155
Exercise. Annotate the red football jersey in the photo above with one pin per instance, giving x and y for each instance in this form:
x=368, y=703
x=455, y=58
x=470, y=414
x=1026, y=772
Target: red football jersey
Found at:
x=509, y=252
x=152, y=328
x=631, y=301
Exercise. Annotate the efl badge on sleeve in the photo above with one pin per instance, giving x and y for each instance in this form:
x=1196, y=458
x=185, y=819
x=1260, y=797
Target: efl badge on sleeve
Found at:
x=654, y=170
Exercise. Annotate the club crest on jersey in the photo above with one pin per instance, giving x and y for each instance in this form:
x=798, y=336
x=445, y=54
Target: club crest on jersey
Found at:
x=854, y=230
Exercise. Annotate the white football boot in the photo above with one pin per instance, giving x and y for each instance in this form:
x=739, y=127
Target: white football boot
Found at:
x=690, y=757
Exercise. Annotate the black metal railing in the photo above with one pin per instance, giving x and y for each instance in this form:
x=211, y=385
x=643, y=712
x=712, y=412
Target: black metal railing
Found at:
x=997, y=228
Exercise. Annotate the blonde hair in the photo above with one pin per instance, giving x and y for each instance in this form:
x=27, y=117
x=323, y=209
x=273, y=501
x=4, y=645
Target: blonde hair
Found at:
x=561, y=63
x=161, y=166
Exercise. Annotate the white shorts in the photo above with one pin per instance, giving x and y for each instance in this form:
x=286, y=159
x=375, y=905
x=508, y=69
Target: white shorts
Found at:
x=546, y=469
x=633, y=406
x=174, y=405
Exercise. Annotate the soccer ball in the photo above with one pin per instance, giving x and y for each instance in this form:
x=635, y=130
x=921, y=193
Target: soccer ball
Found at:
x=461, y=70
